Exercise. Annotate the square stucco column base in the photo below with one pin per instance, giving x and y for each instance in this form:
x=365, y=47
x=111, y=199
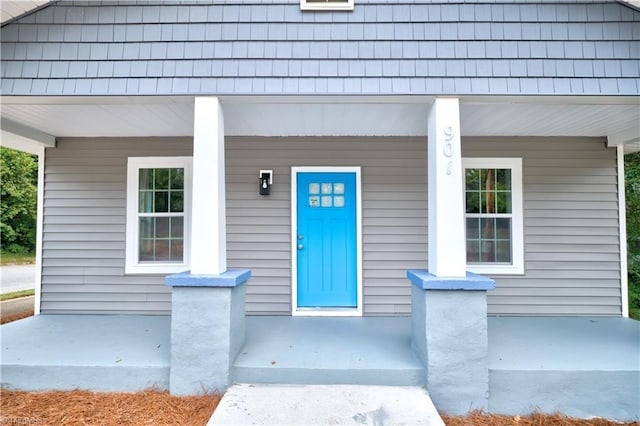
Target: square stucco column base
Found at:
x=207, y=330
x=449, y=335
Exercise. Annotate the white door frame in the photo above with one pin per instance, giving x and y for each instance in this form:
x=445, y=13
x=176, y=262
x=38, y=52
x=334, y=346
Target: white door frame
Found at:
x=334, y=312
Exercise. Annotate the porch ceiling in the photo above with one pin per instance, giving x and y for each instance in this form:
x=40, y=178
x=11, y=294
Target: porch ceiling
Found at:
x=617, y=118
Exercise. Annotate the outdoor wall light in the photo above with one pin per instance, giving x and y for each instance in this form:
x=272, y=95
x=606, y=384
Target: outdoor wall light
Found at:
x=266, y=180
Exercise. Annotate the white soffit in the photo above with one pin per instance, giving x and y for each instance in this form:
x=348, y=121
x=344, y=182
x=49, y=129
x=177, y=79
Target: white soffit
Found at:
x=325, y=116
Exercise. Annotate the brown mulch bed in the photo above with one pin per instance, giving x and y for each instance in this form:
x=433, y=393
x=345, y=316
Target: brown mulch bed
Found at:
x=8, y=318
x=478, y=418
x=150, y=407
x=154, y=407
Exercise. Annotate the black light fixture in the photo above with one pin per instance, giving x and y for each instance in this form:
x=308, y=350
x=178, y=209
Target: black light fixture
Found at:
x=265, y=180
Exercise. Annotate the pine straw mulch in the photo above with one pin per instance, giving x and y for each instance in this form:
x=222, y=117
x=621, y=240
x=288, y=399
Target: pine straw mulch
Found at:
x=154, y=407
x=150, y=407
x=14, y=317
x=478, y=418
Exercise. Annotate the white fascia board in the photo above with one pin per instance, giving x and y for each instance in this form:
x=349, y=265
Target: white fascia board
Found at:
x=24, y=138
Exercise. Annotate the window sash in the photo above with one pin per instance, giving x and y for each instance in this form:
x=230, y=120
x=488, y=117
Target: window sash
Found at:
x=507, y=254
x=163, y=250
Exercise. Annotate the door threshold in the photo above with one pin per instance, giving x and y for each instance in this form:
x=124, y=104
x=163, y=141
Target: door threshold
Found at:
x=327, y=312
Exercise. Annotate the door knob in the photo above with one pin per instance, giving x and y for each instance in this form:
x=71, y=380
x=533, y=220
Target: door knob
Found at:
x=300, y=246
x=300, y=236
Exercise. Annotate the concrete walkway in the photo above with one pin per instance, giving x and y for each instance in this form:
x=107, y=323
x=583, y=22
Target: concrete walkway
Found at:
x=16, y=306
x=325, y=405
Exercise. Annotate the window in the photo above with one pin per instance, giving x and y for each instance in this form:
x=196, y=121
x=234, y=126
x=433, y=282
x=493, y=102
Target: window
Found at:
x=326, y=4
x=158, y=214
x=493, y=213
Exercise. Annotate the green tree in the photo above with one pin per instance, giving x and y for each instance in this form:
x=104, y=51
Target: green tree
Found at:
x=632, y=194
x=18, y=200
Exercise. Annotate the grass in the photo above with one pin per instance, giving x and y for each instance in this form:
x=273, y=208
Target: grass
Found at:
x=17, y=258
x=16, y=294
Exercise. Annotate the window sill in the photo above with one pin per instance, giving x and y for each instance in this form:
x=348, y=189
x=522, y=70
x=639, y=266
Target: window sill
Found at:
x=496, y=269
x=156, y=269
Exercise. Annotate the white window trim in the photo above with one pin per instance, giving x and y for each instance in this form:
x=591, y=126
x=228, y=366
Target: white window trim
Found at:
x=132, y=264
x=515, y=164
x=327, y=5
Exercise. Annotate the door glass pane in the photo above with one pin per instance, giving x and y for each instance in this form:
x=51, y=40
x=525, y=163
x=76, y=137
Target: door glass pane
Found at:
x=338, y=188
x=326, y=188
x=314, y=188
x=338, y=201
x=326, y=201
x=314, y=201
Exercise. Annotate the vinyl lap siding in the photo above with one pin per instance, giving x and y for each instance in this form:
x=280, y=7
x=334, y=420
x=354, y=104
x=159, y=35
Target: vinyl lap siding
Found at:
x=572, y=257
x=394, y=214
x=84, y=228
x=571, y=229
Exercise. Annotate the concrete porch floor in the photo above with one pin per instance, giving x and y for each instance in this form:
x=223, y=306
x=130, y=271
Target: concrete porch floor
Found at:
x=580, y=366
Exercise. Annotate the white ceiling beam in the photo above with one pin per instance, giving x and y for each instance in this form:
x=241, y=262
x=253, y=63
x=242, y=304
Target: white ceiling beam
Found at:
x=24, y=138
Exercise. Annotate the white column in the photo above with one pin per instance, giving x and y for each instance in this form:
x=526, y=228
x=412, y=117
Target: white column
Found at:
x=447, y=246
x=208, y=217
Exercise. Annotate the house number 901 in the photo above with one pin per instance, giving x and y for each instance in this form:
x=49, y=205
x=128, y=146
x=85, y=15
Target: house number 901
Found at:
x=448, y=147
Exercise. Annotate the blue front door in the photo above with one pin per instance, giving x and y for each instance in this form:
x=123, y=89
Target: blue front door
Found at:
x=326, y=240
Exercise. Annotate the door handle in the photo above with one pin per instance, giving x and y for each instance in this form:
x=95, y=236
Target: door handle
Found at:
x=300, y=246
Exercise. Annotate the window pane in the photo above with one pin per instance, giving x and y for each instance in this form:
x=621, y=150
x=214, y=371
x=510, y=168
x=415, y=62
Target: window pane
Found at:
x=177, y=227
x=473, y=250
x=145, y=201
x=145, y=179
x=177, y=201
x=162, y=227
x=503, y=228
x=503, y=201
x=338, y=201
x=147, y=225
x=503, y=179
x=177, y=249
x=473, y=202
x=314, y=188
x=146, y=250
x=503, y=251
x=326, y=188
x=488, y=229
x=487, y=254
x=472, y=179
x=177, y=178
x=161, y=202
x=326, y=201
x=162, y=251
x=338, y=188
x=161, y=179
x=473, y=228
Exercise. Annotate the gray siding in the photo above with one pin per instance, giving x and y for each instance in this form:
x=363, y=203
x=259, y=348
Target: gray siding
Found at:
x=571, y=227
x=382, y=47
x=394, y=214
x=84, y=228
x=572, y=256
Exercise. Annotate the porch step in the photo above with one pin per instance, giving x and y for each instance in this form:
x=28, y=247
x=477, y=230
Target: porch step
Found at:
x=325, y=405
x=353, y=351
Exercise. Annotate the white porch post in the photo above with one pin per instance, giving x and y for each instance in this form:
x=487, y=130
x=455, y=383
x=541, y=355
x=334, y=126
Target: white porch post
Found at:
x=447, y=250
x=208, y=221
x=207, y=303
x=449, y=305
